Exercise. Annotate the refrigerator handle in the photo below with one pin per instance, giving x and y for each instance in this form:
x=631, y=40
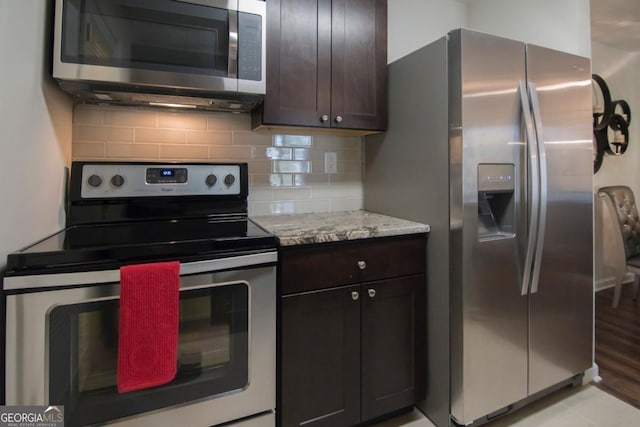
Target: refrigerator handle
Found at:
x=534, y=199
x=537, y=118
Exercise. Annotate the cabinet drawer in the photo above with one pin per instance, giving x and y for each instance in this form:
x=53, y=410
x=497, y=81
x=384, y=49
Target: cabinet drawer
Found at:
x=326, y=265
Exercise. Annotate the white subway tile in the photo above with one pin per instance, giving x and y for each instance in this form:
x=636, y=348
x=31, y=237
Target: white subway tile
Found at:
x=338, y=205
x=274, y=208
x=346, y=178
x=225, y=152
x=308, y=206
x=260, y=194
x=340, y=191
x=130, y=117
x=317, y=158
x=209, y=137
x=273, y=153
x=281, y=169
x=353, y=156
x=259, y=167
x=182, y=121
x=323, y=142
x=160, y=135
x=292, y=140
x=251, y=138
x=302, y=193
x=103, y=133
x=85, y=115
x=228, y=121
x=270, y=179
x=132, y=151
x=291, y=166
x=259, y=208
x=88, y=150
x=177, y=152
x=281, y=180
x=301, y=153
x=310, y=179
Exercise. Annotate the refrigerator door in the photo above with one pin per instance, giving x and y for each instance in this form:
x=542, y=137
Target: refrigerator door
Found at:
x=561, y=302
x=488, y=164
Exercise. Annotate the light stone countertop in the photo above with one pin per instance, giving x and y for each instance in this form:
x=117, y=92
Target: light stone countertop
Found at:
x=301, y=229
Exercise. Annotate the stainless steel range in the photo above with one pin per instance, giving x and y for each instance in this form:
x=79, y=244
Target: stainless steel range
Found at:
x=62, y=299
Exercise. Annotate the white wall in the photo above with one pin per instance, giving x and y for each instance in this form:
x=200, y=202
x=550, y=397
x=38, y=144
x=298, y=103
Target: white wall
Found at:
x=558, y=24
x=416, y=23
x=35, y=124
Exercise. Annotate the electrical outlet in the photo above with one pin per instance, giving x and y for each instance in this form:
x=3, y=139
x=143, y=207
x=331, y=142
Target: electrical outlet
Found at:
x=330, y=162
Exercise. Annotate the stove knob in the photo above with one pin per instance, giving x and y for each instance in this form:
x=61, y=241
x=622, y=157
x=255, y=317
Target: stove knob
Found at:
x=94, y=181
x=117, y=180
x=229, y=180
x=211, y=180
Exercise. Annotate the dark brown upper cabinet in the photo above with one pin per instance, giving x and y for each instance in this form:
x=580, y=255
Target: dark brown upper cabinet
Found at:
x=326, y=65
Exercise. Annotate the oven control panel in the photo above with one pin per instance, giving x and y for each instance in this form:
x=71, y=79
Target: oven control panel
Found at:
x=151, y=180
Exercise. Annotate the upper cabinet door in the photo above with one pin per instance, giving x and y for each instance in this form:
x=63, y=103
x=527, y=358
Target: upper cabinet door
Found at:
x=359, y=64
x=298, y=62
x=326, y=65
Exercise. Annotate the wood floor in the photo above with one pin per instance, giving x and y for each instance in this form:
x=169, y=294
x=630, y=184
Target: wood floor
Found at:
x=617, y=349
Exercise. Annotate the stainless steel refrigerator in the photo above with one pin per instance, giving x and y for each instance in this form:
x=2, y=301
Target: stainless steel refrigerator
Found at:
x=489, y=142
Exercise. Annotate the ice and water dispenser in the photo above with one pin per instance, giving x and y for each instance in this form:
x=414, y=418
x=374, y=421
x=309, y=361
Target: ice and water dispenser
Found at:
x=496, y=201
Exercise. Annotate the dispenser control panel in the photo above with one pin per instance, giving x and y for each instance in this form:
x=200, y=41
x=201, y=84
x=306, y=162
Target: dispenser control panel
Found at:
x=496, y=177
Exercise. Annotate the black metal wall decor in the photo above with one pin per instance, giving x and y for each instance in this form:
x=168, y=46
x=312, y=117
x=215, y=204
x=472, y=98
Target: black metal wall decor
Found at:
x=611, y=121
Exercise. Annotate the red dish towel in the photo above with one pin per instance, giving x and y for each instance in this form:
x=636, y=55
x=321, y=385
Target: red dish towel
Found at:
x=148, y=337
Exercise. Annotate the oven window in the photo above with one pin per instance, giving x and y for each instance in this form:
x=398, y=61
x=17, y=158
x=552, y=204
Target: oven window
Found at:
x=212, y=355
x=162, y=35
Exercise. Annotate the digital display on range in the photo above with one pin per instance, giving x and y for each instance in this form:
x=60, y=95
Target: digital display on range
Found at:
x=166, y=175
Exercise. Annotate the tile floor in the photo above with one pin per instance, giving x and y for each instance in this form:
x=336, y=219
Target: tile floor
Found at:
x=585, y=406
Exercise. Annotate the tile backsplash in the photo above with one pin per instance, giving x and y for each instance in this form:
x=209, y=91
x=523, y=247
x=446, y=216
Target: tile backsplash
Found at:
x=286, y=172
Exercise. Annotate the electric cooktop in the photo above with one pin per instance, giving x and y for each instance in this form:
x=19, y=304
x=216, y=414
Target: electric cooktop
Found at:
x=126, y=213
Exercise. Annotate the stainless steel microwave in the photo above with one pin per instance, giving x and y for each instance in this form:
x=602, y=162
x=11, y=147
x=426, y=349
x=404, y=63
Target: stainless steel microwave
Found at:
x=207, y=54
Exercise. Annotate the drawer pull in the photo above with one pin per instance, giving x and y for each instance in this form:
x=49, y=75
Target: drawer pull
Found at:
x=355, y=295
x=372, y=293
x=362, y=265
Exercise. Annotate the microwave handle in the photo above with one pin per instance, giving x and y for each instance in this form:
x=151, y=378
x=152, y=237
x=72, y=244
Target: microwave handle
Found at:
x=232, y=66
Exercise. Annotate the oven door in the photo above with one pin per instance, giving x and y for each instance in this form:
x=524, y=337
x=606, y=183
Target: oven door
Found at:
x=62, y=349
x=212, y=45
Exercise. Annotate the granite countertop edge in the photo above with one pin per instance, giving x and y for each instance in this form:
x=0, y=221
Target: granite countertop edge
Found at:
x=304, y=229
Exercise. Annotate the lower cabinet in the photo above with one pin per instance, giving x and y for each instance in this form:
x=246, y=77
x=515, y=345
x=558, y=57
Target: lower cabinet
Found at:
x=392, y=335
x=352, y=353
x=321, y=358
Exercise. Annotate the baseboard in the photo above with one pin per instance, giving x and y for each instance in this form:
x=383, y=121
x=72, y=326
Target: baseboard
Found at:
x=610, y=282
x=591, y=374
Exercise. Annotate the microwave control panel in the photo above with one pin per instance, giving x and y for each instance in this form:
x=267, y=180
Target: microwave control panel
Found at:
x=249, y=46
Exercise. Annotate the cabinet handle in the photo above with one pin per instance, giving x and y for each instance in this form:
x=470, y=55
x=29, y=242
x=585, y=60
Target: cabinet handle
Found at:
x=338, y=119
x=372, y=293
x=324, y=118
x=355, y=295
x=362, y=265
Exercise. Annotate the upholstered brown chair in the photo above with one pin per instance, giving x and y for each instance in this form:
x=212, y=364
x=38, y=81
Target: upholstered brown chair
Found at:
x=621, y=205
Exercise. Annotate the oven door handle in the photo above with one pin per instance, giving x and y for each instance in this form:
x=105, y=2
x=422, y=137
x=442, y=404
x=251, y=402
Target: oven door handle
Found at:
x=43, y=281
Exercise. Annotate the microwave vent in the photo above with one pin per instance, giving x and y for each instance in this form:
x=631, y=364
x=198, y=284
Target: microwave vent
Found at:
x=128, y=95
